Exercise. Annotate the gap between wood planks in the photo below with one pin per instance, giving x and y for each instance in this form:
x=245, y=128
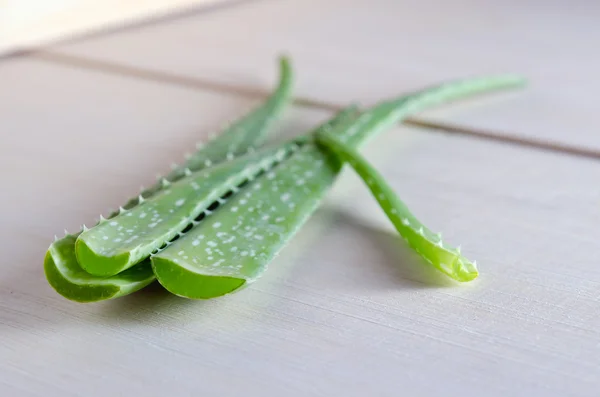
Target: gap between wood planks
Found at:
x=200, y=84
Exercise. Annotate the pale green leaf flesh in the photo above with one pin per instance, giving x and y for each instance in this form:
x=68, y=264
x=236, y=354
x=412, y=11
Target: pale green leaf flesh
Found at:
x=233, y=246
x=62, y=270
x=73, y=283
x=429, y=245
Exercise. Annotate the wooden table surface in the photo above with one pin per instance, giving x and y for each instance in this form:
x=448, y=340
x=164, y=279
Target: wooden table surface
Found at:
x=345, y=309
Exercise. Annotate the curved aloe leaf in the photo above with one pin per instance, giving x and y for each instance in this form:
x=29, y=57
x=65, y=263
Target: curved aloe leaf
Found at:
x=62, y=270
x=378, y=118
x=245, y=134
x=429, y=245
x=232, y=248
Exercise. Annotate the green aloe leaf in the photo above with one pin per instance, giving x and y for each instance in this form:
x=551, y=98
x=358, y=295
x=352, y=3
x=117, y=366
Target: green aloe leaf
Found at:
x=220, y=254
x=130, y=237
x=75, y=284
x=62, y=270
x=231, y=248
x=429, y=245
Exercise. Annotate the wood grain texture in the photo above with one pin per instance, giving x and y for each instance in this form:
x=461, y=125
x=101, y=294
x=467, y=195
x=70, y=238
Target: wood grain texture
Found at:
x=345, y=309
x=367, y=50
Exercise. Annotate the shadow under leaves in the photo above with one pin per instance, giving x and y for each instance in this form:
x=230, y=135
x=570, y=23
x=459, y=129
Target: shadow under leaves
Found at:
x=395, y=260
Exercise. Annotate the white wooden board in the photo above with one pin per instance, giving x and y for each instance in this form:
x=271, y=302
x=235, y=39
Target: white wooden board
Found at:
x=344, y=310
x=368, y=50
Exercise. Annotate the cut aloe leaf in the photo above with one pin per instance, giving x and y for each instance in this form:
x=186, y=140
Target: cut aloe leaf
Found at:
x=427, y=244
x=219, y=255
x=130, y=237
x=232, y=248
x=73, y=283
x=237, y=242
x=61, y=268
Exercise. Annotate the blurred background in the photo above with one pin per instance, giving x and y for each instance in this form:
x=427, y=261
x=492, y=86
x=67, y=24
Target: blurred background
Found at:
x=28, y=23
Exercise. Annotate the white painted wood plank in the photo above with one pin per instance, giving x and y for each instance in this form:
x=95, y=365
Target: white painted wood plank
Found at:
x=344, y=310
x=368, y=50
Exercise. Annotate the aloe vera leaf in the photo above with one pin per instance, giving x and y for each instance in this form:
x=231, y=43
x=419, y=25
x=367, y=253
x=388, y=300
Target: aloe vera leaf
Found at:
x=429, y=245
x=60, y=265
x=243, y=135
x=75, y=284
x=130, y=237
x=377, y=119
x=194, y=266
x=254, y=226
